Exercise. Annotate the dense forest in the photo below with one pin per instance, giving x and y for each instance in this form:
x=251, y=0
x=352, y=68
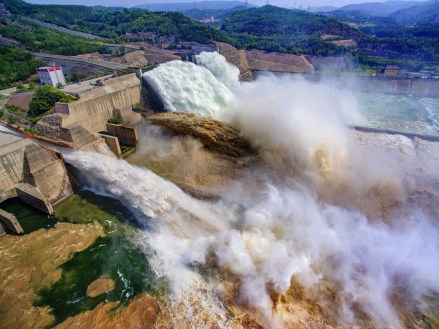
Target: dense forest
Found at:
x=391, y=39
x=115, y=24
x=375, y=40
x=16, y=65
x=294, y=31
x=37, y=38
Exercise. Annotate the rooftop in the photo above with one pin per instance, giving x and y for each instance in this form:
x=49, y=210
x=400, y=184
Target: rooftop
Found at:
x=21, y=100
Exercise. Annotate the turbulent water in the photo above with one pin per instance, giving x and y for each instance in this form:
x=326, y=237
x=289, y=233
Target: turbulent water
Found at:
x=401, y=112
x=186, y=87
x=324, y=211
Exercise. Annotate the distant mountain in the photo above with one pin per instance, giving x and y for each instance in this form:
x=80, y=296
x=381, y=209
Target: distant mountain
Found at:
x=322, y=9
x=427, y=12
x=184, y=6
x=379, y=8
x=212, y=17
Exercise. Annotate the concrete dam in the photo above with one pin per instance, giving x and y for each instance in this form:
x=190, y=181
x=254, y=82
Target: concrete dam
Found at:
x=33, y=174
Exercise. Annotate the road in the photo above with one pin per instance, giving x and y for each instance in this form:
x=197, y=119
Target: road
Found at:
x=9, y=91
x=79, y=87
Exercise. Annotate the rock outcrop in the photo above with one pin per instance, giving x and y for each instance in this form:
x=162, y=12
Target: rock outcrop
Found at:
x=100, y=286
x=214, y=135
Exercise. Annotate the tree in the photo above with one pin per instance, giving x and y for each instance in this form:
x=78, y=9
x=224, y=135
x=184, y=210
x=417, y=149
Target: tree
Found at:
x=122, y=50
x=31, y=85
x=45, y=98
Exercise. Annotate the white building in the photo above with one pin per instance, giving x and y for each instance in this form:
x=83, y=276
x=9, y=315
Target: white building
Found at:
x=51, y=75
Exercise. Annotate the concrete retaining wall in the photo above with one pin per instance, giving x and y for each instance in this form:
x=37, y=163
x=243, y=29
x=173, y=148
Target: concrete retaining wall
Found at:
x=33, y=174
x=11, y=163
x=113, y=144
x=415, y=87
x=80, y=65
x=125, y=135
x=30, y=195
x=10, y=222
x=96, y=106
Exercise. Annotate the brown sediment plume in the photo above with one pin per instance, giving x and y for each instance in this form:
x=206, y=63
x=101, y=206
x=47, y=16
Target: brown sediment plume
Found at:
x=316, y=307
x=100, y=286
x=214, y=135
x=195, y=170
x=141, y=313
x=206, y=154
x=30, y=262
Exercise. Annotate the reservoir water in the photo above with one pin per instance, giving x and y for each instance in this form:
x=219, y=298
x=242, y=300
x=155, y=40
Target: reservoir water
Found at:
x=403, y=113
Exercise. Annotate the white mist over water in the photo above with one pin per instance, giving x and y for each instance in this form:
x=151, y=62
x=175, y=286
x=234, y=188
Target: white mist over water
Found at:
x=286, y=218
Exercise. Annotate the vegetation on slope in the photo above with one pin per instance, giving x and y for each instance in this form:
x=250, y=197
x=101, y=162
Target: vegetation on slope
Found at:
x=294, y=31
x=45, y=98
x=427, y=12
x=37, y=38
x=378, y=40
x=16, y=65
x=392, y=39
x=115, y=24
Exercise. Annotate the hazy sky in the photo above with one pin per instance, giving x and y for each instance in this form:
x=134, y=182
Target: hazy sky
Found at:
x=130, y=3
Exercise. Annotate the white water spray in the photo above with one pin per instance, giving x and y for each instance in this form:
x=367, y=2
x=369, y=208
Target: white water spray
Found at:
x=186, y=87
x=223, y=71
x=272, y=225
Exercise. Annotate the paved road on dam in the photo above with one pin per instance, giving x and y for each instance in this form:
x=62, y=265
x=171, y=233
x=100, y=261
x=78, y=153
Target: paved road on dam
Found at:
x=107, y=65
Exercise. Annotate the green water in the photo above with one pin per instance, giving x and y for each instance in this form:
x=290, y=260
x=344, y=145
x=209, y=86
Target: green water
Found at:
x=31, y=219
x=115, y=256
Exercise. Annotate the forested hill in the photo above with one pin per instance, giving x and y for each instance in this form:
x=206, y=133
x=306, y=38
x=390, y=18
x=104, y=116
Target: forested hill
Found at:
x=280, y=29
x=423, y=13
x=115, y=24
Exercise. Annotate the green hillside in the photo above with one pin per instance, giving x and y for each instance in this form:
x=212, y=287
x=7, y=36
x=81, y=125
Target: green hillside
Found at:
x=36, y=38
x=16, y=65
x=423, y=13
x=285, y=30
x=115, y=24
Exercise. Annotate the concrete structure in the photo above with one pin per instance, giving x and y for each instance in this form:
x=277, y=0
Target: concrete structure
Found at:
x=116, y=98
x=22, y=100
x=402, y=74
x=80, y=122
x=81, y=65
x=391, y=71
x=415, y=87
x=35, y=175
x=125, y=135
x=51, y=75
x=328, y=63
x=10, y=222
x=113, y=144
x=259, y=60
x=237, y=58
